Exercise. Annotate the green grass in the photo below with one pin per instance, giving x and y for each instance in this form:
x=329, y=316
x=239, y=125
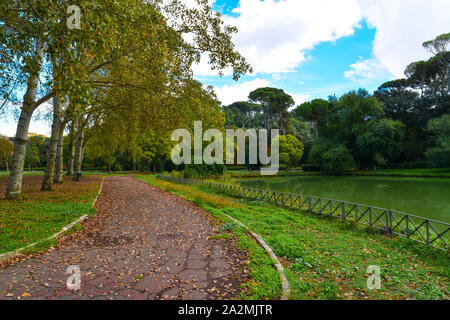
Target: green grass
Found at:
x=325, y=258
x=427, y=172
x=31, y=222
x=25, y=173
x=42, y=214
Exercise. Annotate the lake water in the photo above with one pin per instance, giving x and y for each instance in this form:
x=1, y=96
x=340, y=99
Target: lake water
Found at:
x=424, y=197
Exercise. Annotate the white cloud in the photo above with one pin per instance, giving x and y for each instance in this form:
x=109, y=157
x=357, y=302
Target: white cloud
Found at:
x=366, y=70
x=299, y=99
x=274, y=35
x=239, y=91
x=402, y=26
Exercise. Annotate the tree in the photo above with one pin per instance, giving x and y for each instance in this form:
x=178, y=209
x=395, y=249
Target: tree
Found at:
x=439, y=47
x=32, y=155
x=242, y=114
x=349, y=115
x=313, y=111
x=6, y=151
x=291, y=150
x=439, y=155
x=145, y=37
x=274, y=102
x=381, y=141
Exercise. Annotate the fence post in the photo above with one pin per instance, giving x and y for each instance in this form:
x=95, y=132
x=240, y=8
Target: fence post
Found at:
x=309, y=204
x=428, y=231
x=282, y=199
x=343, y=210
x=407, y=226
x=388, y=223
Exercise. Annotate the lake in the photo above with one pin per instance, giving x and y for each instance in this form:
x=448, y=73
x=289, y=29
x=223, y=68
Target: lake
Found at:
x=426, y=197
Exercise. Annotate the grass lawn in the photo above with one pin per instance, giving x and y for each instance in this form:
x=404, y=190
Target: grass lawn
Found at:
x=257, y=173
x=43, y=213
x=324, y=258
x=25, y=173
x=427, y=172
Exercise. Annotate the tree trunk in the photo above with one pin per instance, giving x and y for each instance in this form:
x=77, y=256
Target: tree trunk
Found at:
x=20, y=142
x=316, y=124
x=133, y=165
x=282, y=124
x=7, y=166
x=58, y=178
x=53, y=148
x=71, y=155
x=78, y=152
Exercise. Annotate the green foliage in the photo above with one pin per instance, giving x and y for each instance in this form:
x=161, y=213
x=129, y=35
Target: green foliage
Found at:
x=331, y=158
x=203, y=170
x=291, y=150
x=6, y=150
x=313, y=111
x=242, y=114
x=380, y=141
x=36, y=152
x=229, y=226
x=439, y=155
x=274, y=103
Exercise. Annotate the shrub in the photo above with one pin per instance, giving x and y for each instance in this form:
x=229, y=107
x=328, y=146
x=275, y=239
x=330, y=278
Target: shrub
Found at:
x=337, y=160
x=203, y=170
x=439, y=155
x=331, y=158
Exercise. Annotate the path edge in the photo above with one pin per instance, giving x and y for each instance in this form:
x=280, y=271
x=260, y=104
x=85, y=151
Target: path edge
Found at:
x=15, y=253
x=284, y=282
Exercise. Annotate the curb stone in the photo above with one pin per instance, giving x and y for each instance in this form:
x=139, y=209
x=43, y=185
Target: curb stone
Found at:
x=284, y=282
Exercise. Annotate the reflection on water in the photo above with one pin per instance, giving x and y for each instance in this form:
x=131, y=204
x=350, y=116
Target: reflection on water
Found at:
x=419, y=196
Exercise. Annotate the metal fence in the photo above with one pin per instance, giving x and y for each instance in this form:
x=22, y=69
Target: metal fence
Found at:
x=420, y=229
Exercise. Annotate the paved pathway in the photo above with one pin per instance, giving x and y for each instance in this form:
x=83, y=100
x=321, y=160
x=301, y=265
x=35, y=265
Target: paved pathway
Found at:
x=142, y=244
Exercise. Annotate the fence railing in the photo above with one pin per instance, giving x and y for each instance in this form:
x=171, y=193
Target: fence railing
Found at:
x=420, y=229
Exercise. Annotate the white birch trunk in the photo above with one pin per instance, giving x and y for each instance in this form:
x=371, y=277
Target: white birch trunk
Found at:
x=56, y=128
x=71, y=156
x=58, y=178
x=78, y=152
x=20, y=143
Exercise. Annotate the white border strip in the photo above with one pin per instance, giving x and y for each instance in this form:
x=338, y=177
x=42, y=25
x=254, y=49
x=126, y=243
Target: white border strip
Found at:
x=284, y=282
x=12, y=254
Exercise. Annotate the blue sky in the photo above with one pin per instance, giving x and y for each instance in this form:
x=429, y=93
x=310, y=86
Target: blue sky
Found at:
x=322, y=73
x=315, y=48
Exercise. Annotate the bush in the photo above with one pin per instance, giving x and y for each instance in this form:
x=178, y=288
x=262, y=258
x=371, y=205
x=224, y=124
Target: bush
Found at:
x=439, y=157
x=204, y=170
x=310, y=168
x=439, y=128
x=337, y=160
x=331, y=158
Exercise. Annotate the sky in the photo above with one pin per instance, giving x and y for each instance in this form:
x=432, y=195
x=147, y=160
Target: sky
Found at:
x=316, y=48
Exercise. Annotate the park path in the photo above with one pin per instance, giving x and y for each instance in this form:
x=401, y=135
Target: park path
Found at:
x=143, y=243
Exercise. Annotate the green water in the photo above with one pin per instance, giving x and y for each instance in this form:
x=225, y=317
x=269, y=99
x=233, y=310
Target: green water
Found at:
x=419, y=196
